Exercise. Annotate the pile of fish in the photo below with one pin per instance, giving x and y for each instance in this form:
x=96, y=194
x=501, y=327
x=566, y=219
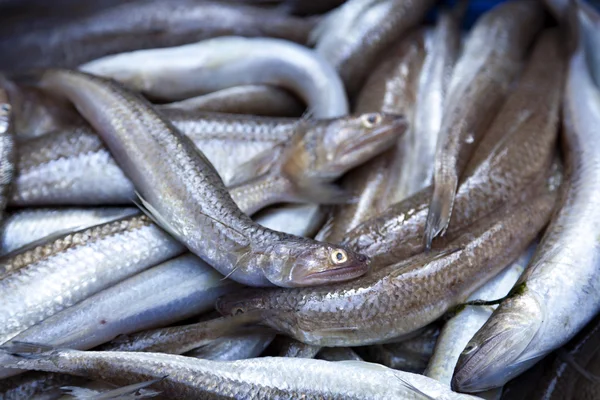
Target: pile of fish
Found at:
x=297, y=199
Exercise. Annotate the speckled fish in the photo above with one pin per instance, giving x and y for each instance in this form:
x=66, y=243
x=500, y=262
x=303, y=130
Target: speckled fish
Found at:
x=516, y=151
x=8, y=152
x=353, y=36
x=442, y=48
x=259, y=378
x=180, y=188
x=23, y=227
x=493, y=55
x=556, y=296
x=142, y=25
x=42, y=280
x=73, y=166
x=307, y=166
x=398, y=300
x=263, y=100
x=180, y=72
x=459, y=329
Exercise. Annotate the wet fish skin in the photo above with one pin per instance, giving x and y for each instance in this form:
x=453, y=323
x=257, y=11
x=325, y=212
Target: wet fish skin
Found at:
x=515, y=152
x=30, y=225
x=249, y=99
x=318, y=156
x=181, y=72
x=236, y=347
x=557, y=297
x=353, y=36
x=141, y=25
x=463, y=325
x=442, y=47
x=8, y=152
x=36, y=385
x=48, y=278
x=396, y=301
x=492, y=56
x=191, y=378
x=185, y=193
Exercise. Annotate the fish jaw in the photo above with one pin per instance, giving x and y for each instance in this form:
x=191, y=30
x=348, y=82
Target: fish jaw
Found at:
x=495, y=354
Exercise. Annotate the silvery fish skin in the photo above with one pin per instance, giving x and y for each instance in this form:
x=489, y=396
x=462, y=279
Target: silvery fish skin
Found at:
x=23, y=227
x=142, y=25
x=235, y=347
x=165, y=294
x=463, y=325
x=492, y=56
x=259, y=378
x=307, y=166
x=37, y=112
x=180, y=72
x=7, y=148
x=36, y=385
x=515, y=152
x=555, y=297
x=590, y=34
x=45, y=279
x=398, y=300
x=353, y=36
x=442, y=48
x=264, y=100
x=181, y=189
x=73, y=166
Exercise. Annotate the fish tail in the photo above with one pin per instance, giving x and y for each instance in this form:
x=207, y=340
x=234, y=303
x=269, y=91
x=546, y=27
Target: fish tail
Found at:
x=440, y=209
x=136, y=390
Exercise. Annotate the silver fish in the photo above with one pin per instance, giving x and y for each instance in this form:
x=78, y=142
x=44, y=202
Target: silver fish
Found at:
x=557, y=295
x=43, y=280
x=180, y=188
x=259, y=378
x=30, y=225
x=7, y=147
x=181, y=72
x=235, y=347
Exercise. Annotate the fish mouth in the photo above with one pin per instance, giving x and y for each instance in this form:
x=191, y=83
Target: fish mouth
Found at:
x=333, y=275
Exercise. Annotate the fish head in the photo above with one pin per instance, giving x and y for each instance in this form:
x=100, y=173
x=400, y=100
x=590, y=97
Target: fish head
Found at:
x=495, y=354
x=338, y=145
x=312, y=263
x=5, y=111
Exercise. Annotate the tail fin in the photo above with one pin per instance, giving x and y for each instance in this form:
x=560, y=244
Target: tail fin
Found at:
x=440, y=210
x=134, y=391
x=27, y=349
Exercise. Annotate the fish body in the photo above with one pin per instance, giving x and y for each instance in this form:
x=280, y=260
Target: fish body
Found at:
x=180, y=188
x=234, y=347
x=42, y=280
x=180, y=72
x=558, y=296
x=353, y=36
x=492, y=56
x=8, y=152
x=27, y=226
x=398, y=300
x=516, y=151
x=260, y=378
x=142, y=25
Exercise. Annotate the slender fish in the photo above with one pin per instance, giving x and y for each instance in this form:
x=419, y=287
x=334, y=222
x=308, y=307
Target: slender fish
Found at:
x=236, y=347
x=260, y=378
x=492, y=56
x=556, y=297
x=515, y=152
x=398, y=300
x=307, y=166
x=8, y=152
x=263, y=100
x=27, y=226
x=180, y=72
x=45, y=279
x=355, y=35
x=143, y=25
x=180, y=188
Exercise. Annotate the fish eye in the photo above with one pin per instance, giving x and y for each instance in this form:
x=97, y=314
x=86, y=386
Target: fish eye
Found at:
x=339, y=256
x=469, y=349
x=5, y=108
x=237, y=311
x=371, y=120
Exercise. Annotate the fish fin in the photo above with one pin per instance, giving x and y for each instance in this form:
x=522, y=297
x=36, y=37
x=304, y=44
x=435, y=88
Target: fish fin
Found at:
x=326, y=229
x=257, y=166
x=27, y=349
x=413, y=388
x=440, y=210
x=134, y=391
x=237, y=265
x=154, y=215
